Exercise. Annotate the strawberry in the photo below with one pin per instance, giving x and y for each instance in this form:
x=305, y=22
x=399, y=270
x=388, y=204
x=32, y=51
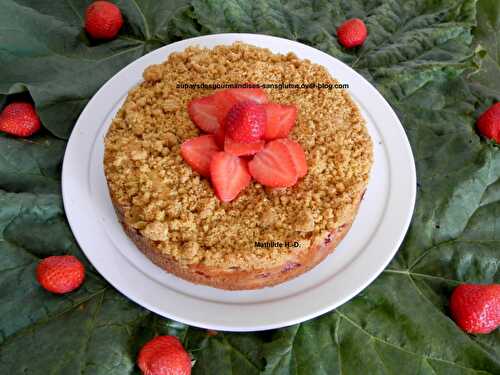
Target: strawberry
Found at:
x=225, y=99
x=274, y=166
x=297, y=154
x=352, y=33
x=229, y=175
x=103, y=20
x=203, y=113
x=236, y=148
x=19, y=119
x=198, y=152
x=245, y=122
x=280, y=120
x=220, y=136
x=164, y=355
x=489, y=122
x=476, y=307
x=242, y=149
x=60, y=274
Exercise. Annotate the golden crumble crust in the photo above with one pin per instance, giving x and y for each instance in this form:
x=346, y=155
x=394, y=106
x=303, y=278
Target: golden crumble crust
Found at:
x=175, y=209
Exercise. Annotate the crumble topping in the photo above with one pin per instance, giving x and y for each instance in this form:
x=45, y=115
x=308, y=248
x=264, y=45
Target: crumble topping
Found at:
x=169, y=203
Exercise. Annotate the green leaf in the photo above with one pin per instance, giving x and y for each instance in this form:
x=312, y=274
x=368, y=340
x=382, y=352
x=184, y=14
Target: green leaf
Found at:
x=49, y=54
x=486, y=81
x=30, y=164
x=226, y=354
x=92, y=338
x=391, y=327
x=25, y=220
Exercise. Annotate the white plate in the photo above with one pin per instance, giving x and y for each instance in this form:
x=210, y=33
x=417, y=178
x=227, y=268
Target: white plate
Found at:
x=376, y=234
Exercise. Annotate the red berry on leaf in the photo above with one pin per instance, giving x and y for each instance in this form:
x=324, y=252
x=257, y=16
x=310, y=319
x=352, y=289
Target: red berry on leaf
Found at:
x=352, y=33
x=60, y=274
x=103, y=20
x=19, y=119
x=489, y=123
x=476, y=307
x=164, y=355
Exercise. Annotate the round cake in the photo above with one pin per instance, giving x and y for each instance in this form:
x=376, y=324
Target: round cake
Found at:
x=266, y=235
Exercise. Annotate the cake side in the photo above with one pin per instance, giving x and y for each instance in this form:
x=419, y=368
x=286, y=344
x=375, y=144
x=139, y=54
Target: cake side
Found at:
x=237, y=279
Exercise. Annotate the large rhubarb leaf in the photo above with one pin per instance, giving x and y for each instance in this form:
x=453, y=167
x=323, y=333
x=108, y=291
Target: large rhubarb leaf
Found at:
x=429, y=59
x=411, y=42
x=45, y=50
x=486, y=81
x=31, y=165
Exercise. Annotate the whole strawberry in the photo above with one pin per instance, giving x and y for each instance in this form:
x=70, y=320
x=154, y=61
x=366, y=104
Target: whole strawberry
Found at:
x=19, y=119
x=352, y=33
x=489, y=123
x=103, y=20
x=60, y=273
x=164, y=355
x=246, y=122
x=476, y=307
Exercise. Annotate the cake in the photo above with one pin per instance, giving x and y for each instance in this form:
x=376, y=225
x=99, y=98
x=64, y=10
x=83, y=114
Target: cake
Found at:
x=266, y=235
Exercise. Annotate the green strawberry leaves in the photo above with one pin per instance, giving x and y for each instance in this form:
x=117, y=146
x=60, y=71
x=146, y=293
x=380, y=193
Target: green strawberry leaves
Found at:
x=435, y=61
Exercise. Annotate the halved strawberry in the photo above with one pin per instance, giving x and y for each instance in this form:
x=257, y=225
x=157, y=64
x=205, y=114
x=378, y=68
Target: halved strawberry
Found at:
x=229, y=175
x=198, y=152
x=242, y=149
x=220, y=136
x=225, y=99
x=274, y=166
x=203, y=112
x=280, y=120
x=297, y=154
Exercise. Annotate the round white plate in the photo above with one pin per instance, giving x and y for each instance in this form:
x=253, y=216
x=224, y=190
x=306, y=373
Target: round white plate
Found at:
x=376, y=234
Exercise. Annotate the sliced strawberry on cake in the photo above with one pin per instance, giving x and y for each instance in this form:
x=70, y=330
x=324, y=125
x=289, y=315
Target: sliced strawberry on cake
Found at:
x=297, y=154
x=203, y=113
x=237, y=148
x=198, y=152
x=242, y=149
x=280, y=120
x=229, y=175
x=274, y=166
x=241, y=121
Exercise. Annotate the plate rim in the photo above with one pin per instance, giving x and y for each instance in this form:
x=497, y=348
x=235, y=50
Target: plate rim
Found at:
x=395, y=243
